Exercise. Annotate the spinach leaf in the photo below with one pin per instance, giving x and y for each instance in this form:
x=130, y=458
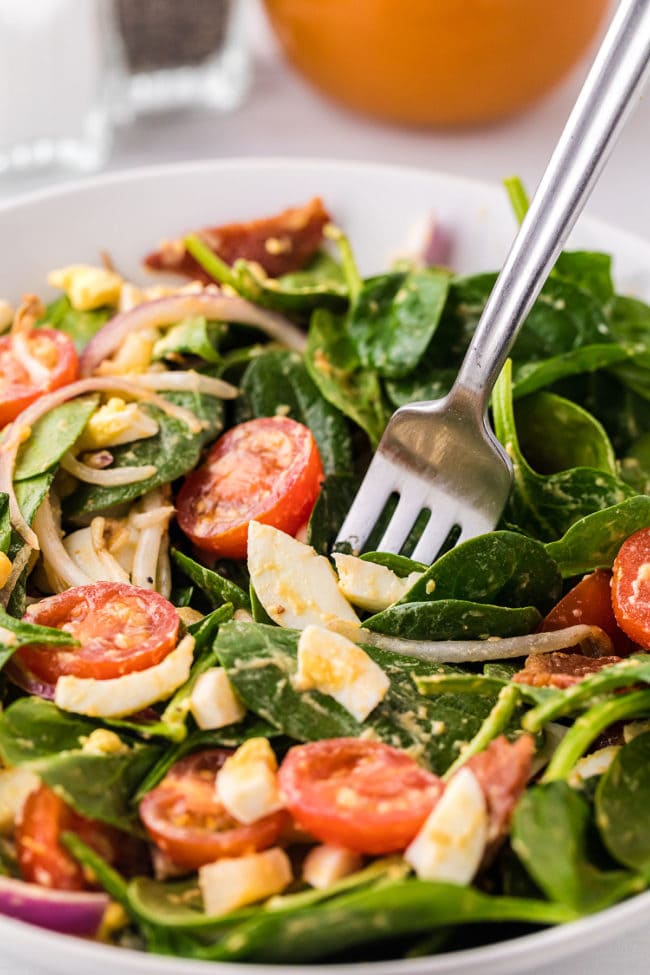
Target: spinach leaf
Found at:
x=530, y=376
x=589, y=270
x=35, y=733
x=25, y=633
x=79, y=325
x=635, y=465
x=33, y=730
x=424, y=382
x=401, y=565
x=550, y=835
x=394, y=318
x=453, y=619
x=193, y=336
x=320, y=285
x=593, y=541
x=387, y=910
x=261, y=661
x=547, y=505
x=500, y=567
x=29, y=494
x=101, y=786
x=174, y=451
x=336, y=495
x=630, y=319
x=52, y=436
x=216, y=587
x=334, y=365
x=280, y=379
x=623, y=806
x=556, y=434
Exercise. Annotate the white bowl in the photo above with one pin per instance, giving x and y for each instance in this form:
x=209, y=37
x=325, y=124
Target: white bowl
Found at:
x=384, y=210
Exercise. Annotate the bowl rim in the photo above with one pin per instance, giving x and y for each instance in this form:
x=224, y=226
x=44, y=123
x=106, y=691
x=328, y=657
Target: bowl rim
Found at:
x=548, y=944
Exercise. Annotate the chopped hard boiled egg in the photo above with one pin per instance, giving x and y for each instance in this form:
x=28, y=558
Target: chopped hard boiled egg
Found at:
x=233, y=882
x=15, y=785
x=247, y=783
x=115, y=423
x=118, y=697
x=325, y=864
x=596, y=763
x=87, y=287
x=133, y=356
x=213, y=702
x=371, y=586
x=332, y=664
x=451, y=844
x=294, y=584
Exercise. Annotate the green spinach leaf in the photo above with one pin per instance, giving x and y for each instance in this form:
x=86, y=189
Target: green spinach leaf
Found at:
x=52, y=436
x=193, y=337
x=261, y=661
x=395, y=317
x=550, y=836
x=334, y=365
x=216, y=587
x=79, y=325
x=593, y=541
x=279, y=379
x=500, y=567
x=623, y=806
x=453, y=619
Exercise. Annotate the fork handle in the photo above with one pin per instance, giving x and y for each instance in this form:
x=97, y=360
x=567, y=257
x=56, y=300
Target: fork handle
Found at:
x=617, y=75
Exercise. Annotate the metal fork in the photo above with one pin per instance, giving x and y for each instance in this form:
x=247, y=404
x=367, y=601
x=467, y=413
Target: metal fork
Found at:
x=441, y=456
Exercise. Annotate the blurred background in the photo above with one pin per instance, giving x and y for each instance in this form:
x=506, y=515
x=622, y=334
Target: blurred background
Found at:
x=479, y=88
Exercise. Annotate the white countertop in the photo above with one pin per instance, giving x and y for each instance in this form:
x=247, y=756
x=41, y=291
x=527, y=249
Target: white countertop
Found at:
x=283, y=117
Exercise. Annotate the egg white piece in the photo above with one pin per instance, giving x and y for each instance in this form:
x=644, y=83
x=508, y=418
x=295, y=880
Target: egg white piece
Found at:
x=371, y=586
x=334, y=665
x=233, y=882
x=214, y=703
x=118, y=697
x=451, y=843
x=326, y=863
x=247, y=783
x=295, y=585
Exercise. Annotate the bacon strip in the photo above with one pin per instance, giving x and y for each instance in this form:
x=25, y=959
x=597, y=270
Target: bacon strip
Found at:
x=279, y=244
x=559, y=669
x=502, y=770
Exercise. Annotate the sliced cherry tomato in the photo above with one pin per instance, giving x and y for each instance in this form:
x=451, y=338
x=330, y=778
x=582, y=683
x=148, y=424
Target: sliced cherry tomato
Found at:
x=359, y=794
x=185, y=819
x=53, y=350
x=279, y=244
x=590, y=602
x=266, y=470
x=631, y=587
x=121, y=629
x=41, y=857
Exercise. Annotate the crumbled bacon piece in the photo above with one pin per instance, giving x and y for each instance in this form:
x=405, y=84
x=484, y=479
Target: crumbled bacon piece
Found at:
x=279, y=244
x=559, y=669
x=502, y=770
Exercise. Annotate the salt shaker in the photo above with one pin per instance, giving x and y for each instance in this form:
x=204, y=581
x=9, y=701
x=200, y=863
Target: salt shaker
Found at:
x=57, y=68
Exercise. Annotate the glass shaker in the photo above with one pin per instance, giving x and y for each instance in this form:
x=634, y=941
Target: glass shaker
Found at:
x=181, y=54
x=58, y=68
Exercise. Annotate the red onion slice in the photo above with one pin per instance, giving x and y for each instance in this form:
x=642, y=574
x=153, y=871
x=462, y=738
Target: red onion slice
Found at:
x=68, y=912
x=175, y=308
x=28, y=682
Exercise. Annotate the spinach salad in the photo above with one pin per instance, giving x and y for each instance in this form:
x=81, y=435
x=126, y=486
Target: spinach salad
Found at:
x=223, y=739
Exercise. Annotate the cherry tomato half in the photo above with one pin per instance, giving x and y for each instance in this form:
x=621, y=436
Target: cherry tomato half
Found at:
x=266, y=470
x=121, y=629
x=590, y=602
x=41, y=858
x=359, y=794
x=53, y=350
x=185, y=819
x=631, y=587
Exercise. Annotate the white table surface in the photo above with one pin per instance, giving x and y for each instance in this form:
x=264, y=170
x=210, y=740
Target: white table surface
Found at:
x=284, y=117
